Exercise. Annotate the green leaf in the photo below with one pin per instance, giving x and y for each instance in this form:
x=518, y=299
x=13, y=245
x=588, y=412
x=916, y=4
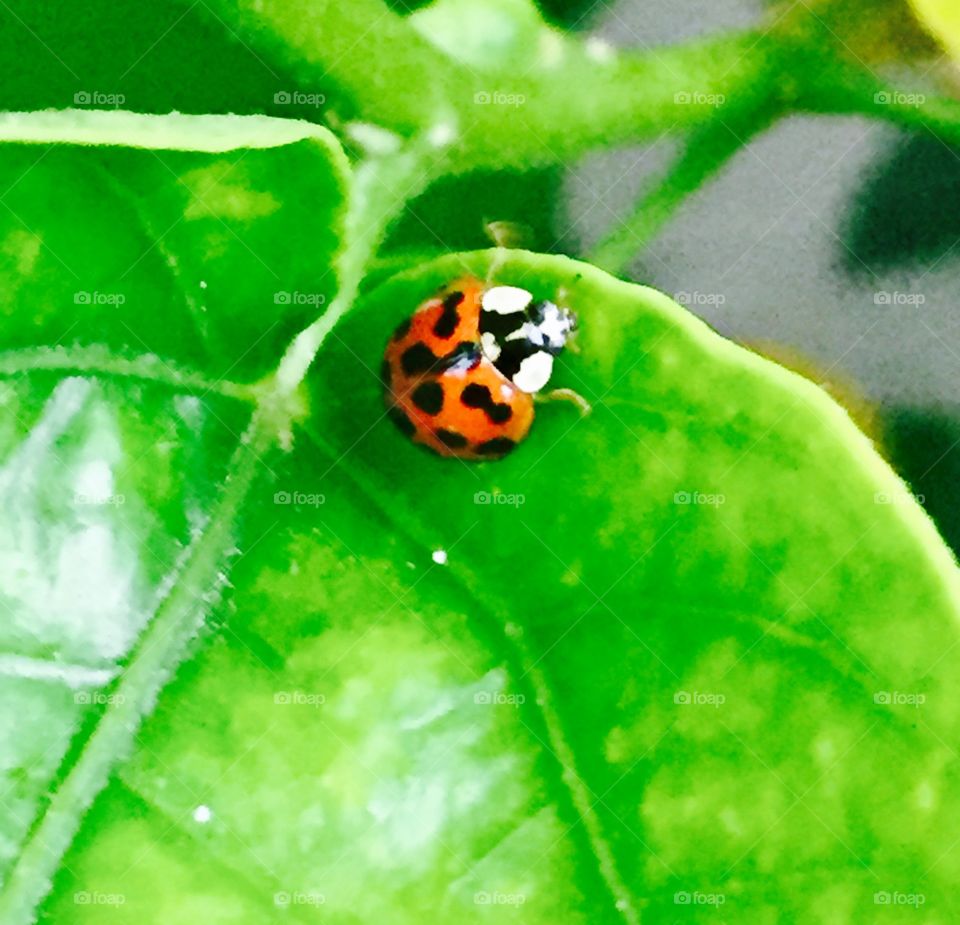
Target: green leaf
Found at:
x=165, y=251
x=699, y=646
x=146, y=291
x=162, y=58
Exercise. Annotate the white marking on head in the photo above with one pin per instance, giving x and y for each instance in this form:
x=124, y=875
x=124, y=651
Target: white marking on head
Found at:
x=555, y=329
x=439, y=556
x=524, y=332
x=534, y=372
x=506, y=300
x=489, y=346
x=556, y=326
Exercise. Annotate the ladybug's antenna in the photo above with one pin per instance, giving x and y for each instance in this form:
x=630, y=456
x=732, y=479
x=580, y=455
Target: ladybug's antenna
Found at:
x=509, y=234
x=505, y=235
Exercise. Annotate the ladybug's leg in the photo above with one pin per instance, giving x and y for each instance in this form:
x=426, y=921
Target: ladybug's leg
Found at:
x=569, y=395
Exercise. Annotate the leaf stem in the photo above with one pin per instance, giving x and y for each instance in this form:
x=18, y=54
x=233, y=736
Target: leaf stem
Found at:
x=95, y=360
x=704, y=153
x=381, y=188
x=751, y=109
x=838, y=88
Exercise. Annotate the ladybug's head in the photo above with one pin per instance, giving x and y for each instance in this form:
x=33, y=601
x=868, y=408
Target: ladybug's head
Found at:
x=550, y=326
x=521, y=336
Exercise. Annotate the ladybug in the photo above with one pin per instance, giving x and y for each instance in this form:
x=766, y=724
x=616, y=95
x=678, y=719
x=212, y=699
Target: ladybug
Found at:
x=460, y=375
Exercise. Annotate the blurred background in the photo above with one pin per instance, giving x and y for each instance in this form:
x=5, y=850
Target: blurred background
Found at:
x=830, y=243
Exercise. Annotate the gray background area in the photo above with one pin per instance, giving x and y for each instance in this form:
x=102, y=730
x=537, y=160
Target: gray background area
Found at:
x=760, y=254
x=769, y=235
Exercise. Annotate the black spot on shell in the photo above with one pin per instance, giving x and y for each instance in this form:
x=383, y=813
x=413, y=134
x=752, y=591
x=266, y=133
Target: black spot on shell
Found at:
x=403, y=329
x=498, y=446
x=451, y=438
x=446, y=324
x=402, y=421
x=475, y=396
x=428, y=397
x=500, y=414
x=478, y=396
x=417, y=359
x=420, y=359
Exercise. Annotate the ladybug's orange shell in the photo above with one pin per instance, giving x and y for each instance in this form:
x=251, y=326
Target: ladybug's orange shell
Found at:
x=421, y=327
x=431, y=407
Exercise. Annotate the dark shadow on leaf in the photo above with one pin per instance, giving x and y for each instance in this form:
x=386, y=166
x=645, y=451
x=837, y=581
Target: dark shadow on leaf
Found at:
x=405, y=7
x=153, y=58
x=569, y=14
x=907, y=212
x=923, y=445
x=452, y=214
